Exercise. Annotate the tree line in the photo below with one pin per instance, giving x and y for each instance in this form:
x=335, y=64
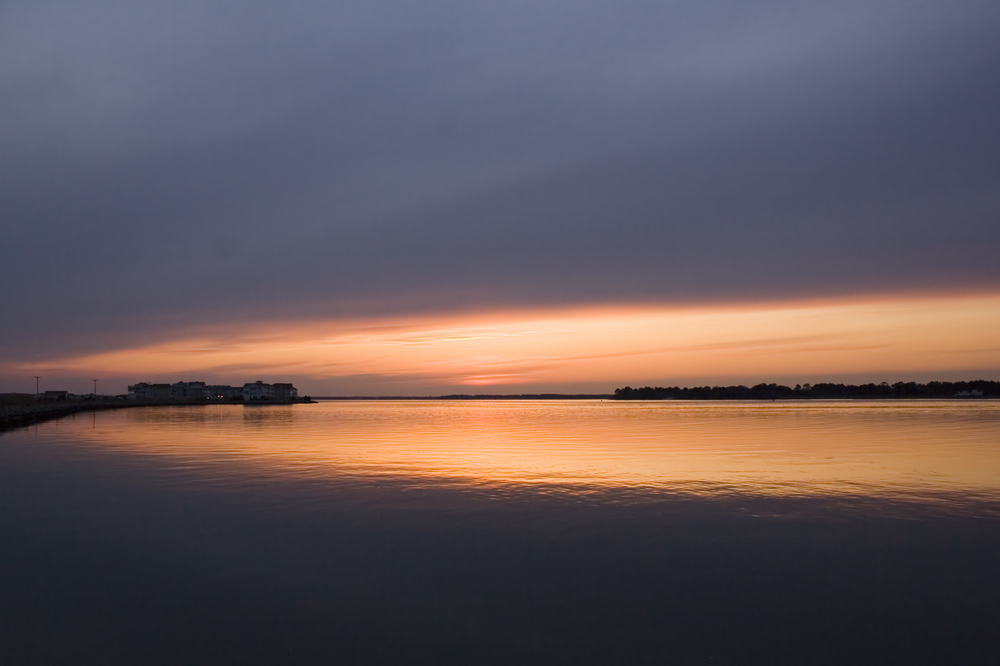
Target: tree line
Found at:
x=972, y=389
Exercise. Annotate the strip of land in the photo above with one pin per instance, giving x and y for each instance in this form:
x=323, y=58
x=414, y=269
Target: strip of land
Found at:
x=20, y=409
x=979, y=388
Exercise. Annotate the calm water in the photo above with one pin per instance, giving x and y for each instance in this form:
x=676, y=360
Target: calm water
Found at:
x=504, y=532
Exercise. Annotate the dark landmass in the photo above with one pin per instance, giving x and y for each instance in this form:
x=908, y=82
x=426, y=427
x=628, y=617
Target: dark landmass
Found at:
x=23, y=409
x=980, y=388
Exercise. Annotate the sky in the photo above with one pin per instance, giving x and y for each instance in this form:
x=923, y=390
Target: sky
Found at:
x=420, y=198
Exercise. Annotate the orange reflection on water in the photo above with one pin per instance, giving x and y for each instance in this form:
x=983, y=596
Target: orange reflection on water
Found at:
x=913, y=449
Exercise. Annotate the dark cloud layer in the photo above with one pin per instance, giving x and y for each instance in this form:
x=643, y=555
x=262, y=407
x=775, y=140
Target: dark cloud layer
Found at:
x=168, y=164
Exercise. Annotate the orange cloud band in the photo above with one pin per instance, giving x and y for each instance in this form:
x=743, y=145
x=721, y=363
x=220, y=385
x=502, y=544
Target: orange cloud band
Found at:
x=610, y=344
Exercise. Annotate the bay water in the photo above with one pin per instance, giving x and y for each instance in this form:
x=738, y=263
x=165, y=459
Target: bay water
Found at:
x=501, y=532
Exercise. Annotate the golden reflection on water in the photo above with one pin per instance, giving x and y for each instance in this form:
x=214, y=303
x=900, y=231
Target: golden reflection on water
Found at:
x=775, y=448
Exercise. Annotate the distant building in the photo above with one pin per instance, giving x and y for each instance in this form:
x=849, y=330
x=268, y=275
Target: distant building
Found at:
x=54, y=395
x=220, y=392
x=187, y=390
x=259, y=391
x=285, y=392
x=145, y=391
x=197, y=391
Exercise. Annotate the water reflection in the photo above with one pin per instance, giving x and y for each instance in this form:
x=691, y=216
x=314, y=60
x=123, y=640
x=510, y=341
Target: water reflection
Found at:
x=504, y=533
x=905, y=449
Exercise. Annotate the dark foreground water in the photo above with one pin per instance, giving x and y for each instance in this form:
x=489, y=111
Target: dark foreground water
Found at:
x=480, y=533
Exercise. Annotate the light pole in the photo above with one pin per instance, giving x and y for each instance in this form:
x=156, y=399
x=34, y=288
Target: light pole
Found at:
x=95, y=388
x=37, y=377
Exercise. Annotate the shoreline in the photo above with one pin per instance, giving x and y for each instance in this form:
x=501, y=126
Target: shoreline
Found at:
x=20, y=416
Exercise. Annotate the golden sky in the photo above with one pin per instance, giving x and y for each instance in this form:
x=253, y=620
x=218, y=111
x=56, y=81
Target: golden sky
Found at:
x=522, y=351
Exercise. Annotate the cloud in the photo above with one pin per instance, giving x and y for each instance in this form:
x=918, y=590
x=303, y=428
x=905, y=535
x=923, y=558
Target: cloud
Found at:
x=170, y=166
x=576, y=350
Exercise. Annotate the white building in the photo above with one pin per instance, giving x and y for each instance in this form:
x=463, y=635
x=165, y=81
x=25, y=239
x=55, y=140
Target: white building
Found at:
x=258, y=390
x=223, y=392
x=146, y=391
x=285, y=392
x=188, y=390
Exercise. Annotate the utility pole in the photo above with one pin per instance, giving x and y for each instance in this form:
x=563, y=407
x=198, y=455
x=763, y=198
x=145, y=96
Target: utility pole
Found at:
x=95, y=388
x=37, y=377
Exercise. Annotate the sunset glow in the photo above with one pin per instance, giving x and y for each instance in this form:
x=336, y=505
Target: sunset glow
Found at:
x=559, y=350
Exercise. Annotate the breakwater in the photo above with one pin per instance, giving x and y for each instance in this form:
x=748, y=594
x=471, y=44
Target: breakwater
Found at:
x=20, y=415
x=16, y=416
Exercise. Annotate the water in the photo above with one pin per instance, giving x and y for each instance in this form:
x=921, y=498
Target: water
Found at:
x=504, y=532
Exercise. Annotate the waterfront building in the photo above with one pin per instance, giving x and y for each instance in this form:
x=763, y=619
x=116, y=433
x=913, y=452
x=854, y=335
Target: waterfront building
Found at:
x=199, y=391
x=258, y=390
x=188, y=391
x=285, y=392
x=146, y=391
x=222, y=392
